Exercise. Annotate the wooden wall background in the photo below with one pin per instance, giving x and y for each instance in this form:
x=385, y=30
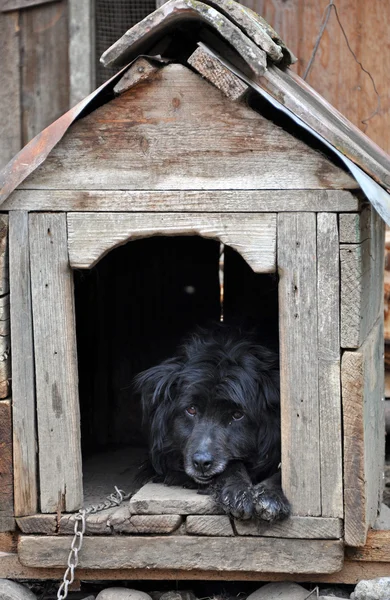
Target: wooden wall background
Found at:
x=34, y=73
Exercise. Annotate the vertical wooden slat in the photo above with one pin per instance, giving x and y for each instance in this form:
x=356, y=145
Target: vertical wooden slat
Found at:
x=55, y=364
x=7, y=521
x=328, y=290
x=299, y=361
x=45, y=66
x=23, y=385
x=364, y=434
x=81, y=49
x=10, y=128
x=5, y=359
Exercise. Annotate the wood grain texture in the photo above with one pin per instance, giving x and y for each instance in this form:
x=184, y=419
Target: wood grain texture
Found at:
x=210, y=525
x=183, y=201
x=187, y=553
x=328, y=298
x=81, y=49
x=8, y=542
x=178, y=132
x=11, y=136
x=364, y=435
x=4, y=271
x=92, y=235
x=297, y=267
x=60, y=476
x=158, y=499
x=5, y=347
x=7, y=521
x=294, y=527
x=376, y=548
x=23, y=385
x=355, y=227
x=366, y=27
x=122, y=521
x=362, y=272
x=44, y=42
x=39, y=524
x=212, y=70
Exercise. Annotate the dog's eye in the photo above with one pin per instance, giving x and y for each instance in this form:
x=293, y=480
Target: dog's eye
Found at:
x=191, y=410
x=237, y=415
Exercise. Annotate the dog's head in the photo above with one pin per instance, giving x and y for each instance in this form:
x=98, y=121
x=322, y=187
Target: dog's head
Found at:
x=216, y=402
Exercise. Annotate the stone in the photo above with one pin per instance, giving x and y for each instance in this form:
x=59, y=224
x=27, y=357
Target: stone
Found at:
x=118, y=593
x=280, y=591
x=159, y=499
x=9, y=590
x=372, y=589
x=182, y=595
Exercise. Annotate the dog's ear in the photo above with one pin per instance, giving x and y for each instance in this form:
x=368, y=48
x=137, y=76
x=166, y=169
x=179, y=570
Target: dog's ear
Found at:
x=159, y=387
x=268, y=376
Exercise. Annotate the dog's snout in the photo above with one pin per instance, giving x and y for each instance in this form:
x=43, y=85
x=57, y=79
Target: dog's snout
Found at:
x=202, y=461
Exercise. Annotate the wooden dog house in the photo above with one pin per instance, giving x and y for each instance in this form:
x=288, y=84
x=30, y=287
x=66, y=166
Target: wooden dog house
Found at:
x=221, y=141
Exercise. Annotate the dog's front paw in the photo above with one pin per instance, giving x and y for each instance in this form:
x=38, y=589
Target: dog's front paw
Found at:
x=236, y=501
x=270, y=504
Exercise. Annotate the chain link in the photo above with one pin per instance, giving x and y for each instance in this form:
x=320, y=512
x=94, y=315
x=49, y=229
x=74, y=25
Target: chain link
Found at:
x=114, y=499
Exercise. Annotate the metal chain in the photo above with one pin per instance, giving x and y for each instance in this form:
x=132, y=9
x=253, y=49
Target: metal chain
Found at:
x=114, y=499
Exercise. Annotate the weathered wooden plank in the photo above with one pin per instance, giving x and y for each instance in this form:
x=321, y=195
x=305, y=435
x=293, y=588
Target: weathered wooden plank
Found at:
x=183, y=201
x=212, y=70
x=212, y=525
x=23, y=385
x=4, y=271
x=55, y=365
x=5, y=345
x=141, y=70
x=364, y=436
x=362, y=269
x=44, y=39
x=328, y=298
x=158, y=499
x=7, y=521
x=376, y=548
x=351, y=572
x=177, y=131
x=8, y=541
x=301, y=472
x=92, y=235
x=294, y=527
x=6, y=5
x=11, y=137
x=122, y=521
x=187, y=553
x=38, y=524
x=81, y=49
x=356, y=227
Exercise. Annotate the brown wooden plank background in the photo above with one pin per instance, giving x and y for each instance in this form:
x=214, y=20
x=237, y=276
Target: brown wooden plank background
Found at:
x=335, y=74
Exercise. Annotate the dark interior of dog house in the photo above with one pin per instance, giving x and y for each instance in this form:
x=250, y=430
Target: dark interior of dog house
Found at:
x=132, y=311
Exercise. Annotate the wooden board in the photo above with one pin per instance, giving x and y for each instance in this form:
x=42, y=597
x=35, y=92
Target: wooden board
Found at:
x=376, y=548
x=159, y=499
x=301, y=472
x=5, y=347
x=351, y=572
x=44, y=39
x=364, y=435
x=81, y=50
x=178, y=132
x=92, y=235
x=212, y=70
x=7, y=521
x=187, y=553
x=210, y=525
x=183, y=201
x=355, y=227
x=4, y=271
x=362, y=269
x=328, y=298
x=294, y=527
x=11, y=137
x=23, y=385
x=60, y=477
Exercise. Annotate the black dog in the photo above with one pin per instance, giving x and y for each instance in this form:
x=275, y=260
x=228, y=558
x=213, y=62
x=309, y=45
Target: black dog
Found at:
x=213, y=413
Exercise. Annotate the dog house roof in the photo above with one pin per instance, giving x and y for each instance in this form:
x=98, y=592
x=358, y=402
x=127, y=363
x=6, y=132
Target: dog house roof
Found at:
x=244, y=43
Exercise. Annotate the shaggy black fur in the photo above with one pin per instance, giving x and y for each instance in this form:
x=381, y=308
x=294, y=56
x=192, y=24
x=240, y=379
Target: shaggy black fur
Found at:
x=214, y=419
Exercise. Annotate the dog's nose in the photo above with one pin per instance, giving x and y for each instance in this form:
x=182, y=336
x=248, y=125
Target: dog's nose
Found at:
x=202, y=461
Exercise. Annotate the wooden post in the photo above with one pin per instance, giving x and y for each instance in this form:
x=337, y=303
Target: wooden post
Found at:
x=23, y=385
x=55, y=364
